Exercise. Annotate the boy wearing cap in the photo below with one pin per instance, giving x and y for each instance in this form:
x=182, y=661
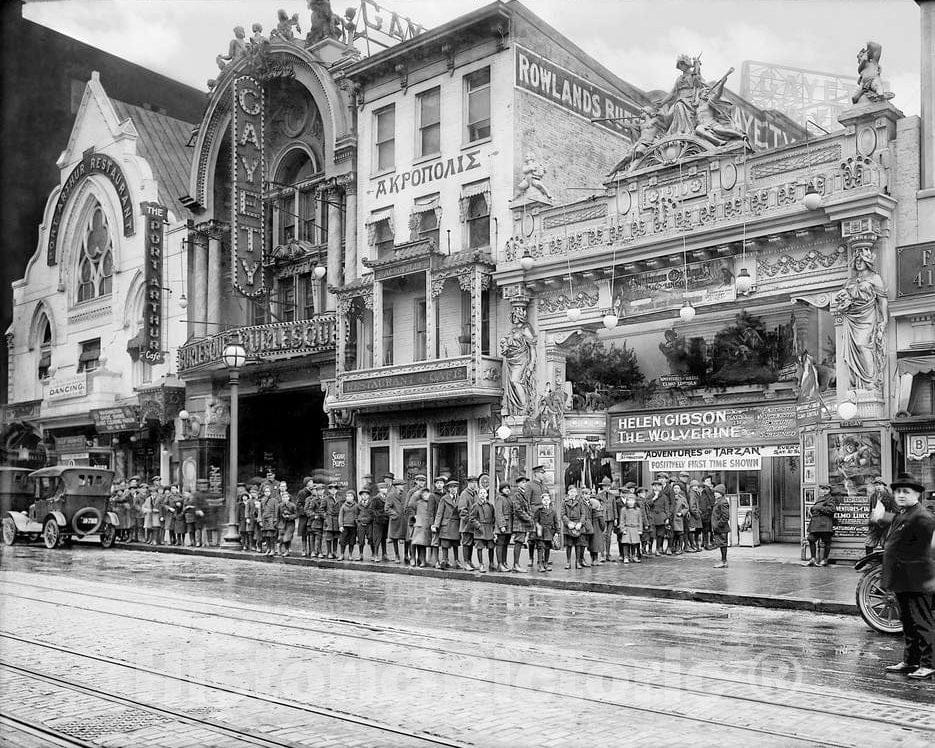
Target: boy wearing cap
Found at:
x=301, y=519
x=347, y=521
x=381, y=520
x=706, y=507
x=420, y=483
x=365, y=521
x=332, y=520
x=483, y=518
x=909, y=573
x=448, y=525
x=821, y=525
x=720, y=523
x=659, y=510
x=466, y=500
x=534, y=490
x=522, y=520
x=608, y=498
x=315, y=513
x=394, y=507
x=503, y=522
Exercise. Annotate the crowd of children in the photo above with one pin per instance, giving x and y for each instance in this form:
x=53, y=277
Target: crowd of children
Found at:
x=156, y=514
x=442, y=526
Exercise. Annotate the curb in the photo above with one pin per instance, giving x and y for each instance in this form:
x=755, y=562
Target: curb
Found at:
x=528, y=580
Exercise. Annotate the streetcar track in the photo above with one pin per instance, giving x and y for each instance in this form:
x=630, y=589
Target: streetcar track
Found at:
x=246, y=736
x=487, y=681
x=245, y=693
x=44, y=732
x=874, y=703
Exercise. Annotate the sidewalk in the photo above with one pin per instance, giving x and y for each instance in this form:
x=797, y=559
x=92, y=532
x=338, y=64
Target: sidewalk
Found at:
x=768, y=576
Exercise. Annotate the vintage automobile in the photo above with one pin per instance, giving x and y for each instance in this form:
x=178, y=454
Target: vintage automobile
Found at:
x=68, y=502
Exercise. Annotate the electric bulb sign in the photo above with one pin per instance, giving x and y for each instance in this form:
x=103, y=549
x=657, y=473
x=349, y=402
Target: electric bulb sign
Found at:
x=155, y=216
x=247, y=234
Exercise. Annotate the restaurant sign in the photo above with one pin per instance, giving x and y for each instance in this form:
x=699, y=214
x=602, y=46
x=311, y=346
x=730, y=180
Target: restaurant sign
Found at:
x=742, y=426
x=915, y=269
x=408, y=379
x=247, y=232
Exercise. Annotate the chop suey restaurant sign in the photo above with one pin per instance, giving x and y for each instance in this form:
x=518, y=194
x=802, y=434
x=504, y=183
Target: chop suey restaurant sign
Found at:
x=247, y=235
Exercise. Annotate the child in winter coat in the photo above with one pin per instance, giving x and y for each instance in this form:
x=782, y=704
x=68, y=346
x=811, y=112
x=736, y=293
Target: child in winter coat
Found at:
x=347, y=521
x=366, y=516
x=269, y=518
x=546, y=530
x=286, y=524
x=244, y=517
x=631, y=524
x=482, y=518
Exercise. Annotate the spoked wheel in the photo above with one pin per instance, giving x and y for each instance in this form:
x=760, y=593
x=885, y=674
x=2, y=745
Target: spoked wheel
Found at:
x=51, y=534
x=9, y=531
x=877, y=606
x=108, y=534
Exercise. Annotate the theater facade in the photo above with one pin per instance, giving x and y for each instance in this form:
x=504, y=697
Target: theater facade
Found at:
x=741, y=293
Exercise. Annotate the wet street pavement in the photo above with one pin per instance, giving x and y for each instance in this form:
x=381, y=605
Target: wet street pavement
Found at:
x=119, y=648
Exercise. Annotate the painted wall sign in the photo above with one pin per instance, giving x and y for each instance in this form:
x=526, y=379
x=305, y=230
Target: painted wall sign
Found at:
x=920, y=446
x=155, y=216
x=412, y=379
x=248, y=227
x=435, y=171
x=915, y=269
x=722, y=426
x=91, y=163
x=65, y=388
x=571, y=92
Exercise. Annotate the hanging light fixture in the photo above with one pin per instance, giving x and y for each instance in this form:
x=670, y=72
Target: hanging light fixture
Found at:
x=847, y=409
x=320, y=271
x=573, y=313
x=743, y=282
x=687, y=312
x=812, y=199
x=610, y=319
x=504, y=432
x=527, y=261
x=183, y=301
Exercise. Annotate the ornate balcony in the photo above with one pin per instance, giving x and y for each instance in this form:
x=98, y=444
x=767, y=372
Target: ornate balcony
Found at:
x=262, y=343
x=463, y=378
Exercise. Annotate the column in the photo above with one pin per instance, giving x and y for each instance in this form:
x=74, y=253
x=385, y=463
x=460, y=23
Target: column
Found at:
x=199, y=287
x=215, y=276
x=377, y=324
x=927, y=27
x=431, y=330
x=335, y=238
x=350, y=230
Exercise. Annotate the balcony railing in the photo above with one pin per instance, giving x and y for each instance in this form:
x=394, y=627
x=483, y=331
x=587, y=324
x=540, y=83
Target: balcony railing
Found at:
x=263, y=342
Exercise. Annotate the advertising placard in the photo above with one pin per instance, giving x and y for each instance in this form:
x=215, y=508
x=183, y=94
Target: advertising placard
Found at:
x=65, y=388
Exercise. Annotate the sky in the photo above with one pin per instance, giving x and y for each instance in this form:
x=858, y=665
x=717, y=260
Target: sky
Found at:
x=639, y=40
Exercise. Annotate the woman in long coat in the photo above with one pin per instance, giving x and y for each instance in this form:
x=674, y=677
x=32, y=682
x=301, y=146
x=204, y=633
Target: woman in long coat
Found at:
x=123, y=506
x=423, y=506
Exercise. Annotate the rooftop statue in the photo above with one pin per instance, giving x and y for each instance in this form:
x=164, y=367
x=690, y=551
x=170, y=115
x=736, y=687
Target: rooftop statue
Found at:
x=648, y=128
x=285, y=25
x=713, y=115
x=236, y=50
x=869, y=74
x=325, y=24
x=258, y=40
x=679, y=106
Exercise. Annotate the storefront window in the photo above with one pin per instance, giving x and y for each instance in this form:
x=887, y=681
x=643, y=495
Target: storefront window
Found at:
x=452, y=459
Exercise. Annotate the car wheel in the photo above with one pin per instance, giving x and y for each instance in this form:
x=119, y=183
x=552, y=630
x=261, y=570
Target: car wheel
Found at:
x=51, y=534
x=108, y=534
x=9, y=531
x=877, y=606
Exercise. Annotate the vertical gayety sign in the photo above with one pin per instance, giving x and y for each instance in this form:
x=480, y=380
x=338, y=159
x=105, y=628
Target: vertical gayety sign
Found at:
x=247, y=225
x=155, y=216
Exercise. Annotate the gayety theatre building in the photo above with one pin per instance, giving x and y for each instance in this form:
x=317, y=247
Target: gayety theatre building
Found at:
x=746, y=291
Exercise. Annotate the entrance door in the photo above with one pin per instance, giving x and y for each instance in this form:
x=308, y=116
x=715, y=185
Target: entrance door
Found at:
x=451, y=458
x=786, y=487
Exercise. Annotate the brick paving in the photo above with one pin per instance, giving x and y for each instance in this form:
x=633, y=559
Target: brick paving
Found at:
x=293, y=633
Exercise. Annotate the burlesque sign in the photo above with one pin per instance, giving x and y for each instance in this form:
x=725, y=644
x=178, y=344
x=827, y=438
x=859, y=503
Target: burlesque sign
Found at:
x=247, y=225
x=92, y=163
x=707, y=282
x=151, y=349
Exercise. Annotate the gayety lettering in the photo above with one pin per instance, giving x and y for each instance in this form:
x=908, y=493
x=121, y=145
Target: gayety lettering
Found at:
x=429, y=173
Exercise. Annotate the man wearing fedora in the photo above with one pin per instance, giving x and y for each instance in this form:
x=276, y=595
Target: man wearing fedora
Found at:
x=909, y=573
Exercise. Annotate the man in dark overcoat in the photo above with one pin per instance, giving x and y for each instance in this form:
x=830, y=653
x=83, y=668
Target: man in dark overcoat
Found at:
x=909, y=573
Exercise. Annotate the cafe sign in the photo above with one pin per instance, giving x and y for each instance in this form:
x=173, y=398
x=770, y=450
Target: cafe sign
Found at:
x=915, y=269
x=721, y=427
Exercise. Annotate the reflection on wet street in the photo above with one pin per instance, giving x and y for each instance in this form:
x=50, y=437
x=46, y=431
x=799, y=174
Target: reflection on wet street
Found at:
x=466, y=663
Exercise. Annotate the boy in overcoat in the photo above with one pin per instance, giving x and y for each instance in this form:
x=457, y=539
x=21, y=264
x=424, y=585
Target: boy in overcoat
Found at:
x=660, y=509
x=522, y=520
x=466, y=500
x=503, y=517
x=706, y=507
x=720, y=523
x=394, y=506
x=366, y=518
x=909, y=573
x=302, y=515
x=244, y=517
x=285, y=526
x=422, y=506
x=448, y=525
x=576, y=521
x=332, y=509
x=608, y=498
x=483, y=519
x=546, y=524
x=315, y=520
x=420, y=483
x=347, y=521
x=269, y=518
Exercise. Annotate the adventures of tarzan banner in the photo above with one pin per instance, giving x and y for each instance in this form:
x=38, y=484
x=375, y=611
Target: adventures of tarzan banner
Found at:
x=248, y=226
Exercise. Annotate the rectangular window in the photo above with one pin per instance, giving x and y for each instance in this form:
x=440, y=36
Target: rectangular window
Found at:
x=45, y=362
x=428, y=225
x=383, y=238
x=287, y=299
x=467, y=322
x=260, y=313
x=477, y=216
x=388, y=337
x=386, y=138
x=485, y=323
x=307, y=295
x=286, y=212
x=308, y=218
x=90, y=355
x=379, y=461
x=477, y=104
x=421, y=331
x=429, y=111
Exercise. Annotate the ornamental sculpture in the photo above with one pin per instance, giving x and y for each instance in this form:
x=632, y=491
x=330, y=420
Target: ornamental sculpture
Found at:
x=236, y=49
x=517, y=348
x=533, y=173
x=691, y=119
x=869, y=75
x=325, y=24
x=285, y=25
x=861, y=307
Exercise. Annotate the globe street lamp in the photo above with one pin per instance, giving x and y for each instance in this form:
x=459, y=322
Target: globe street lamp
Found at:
x=234, y=357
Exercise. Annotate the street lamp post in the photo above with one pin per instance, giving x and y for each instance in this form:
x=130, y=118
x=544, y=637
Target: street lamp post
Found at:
x=234, y=358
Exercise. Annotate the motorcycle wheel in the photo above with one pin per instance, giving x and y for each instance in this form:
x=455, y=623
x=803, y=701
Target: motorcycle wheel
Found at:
x=877, y=607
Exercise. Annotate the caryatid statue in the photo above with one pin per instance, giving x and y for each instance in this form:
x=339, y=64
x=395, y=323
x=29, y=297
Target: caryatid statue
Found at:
x=517, y=348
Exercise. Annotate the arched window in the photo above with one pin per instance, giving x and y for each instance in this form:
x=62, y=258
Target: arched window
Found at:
x=96, y=258
x=45, y=347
